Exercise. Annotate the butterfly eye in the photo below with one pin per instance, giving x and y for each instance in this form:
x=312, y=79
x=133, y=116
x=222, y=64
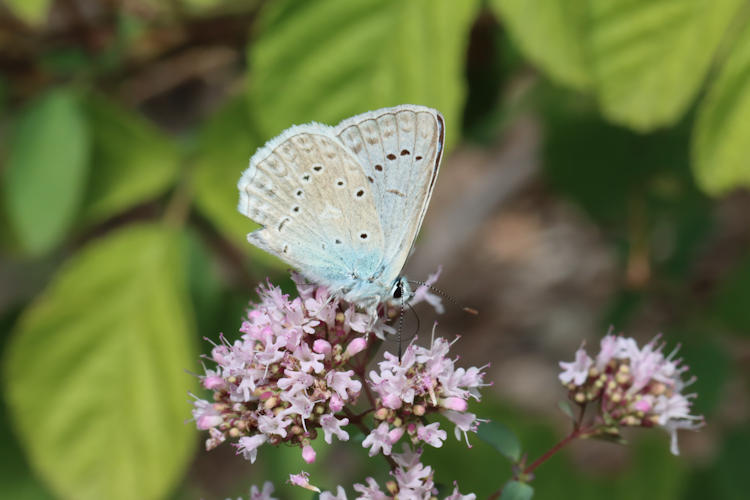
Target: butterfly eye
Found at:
x=398, y=291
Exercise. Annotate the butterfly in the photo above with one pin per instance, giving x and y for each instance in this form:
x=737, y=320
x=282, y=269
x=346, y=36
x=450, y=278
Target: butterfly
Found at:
x=344, y=204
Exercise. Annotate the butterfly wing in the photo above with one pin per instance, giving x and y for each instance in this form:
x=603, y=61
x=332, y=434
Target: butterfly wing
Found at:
x=400, y=150
x=315, y=205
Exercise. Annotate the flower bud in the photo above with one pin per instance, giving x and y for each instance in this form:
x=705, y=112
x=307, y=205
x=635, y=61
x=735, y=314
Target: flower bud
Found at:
x=213, y=382
x=454, y=403
x=321, y=346
x=381, y=414
x=392, y=401
x=308, y=454
x=207, y=421
x=395, y=434
x=356, y=346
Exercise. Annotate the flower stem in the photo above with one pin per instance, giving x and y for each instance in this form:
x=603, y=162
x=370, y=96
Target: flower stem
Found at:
x=539, y=461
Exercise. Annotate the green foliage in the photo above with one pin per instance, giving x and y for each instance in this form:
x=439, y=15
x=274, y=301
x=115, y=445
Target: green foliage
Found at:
x=721, y=145
x=95, y=370
x=32, y=12
x=643, y=59
x=649, y=57
x=514, y=490
x=551, y=34
x=225, y=144
x=331, y=59
x=47, y=169
x=132, y=160
x=501, y=438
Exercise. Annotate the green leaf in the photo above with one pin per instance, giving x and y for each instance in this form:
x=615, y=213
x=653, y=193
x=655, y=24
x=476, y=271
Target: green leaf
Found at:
x=331, y=59
x=645, y=60
x=501, y=438
x=514, y=490
x=32, y=12
x=551, y=33
x=650, y=57
x=95, y=371
x=565, y=407
x=133, y=161
x=721, y=147
x=47, y=168
x=225, y=145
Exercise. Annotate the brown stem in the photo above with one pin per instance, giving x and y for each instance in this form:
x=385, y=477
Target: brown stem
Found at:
x=539, y=461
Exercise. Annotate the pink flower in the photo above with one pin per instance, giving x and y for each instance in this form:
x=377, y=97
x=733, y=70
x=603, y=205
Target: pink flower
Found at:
x=634, y=386
x=265, y=494
x=340, y=494
x=333, y=427
x=431, y=434
x=303, y=481
x=248, y=446
x=426, y=380
x=378, y=439
x=423, y=294
x=578, y=371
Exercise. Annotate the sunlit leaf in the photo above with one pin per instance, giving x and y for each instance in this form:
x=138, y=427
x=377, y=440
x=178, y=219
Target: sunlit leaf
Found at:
x=514, y=490
x=644, y=60
x=32, y=12
x=649, y=57
x=331, y=59
x=95, y=372
x=501, y=438
x=48, y=163
x=551, y=33
x=132, y=160
x=225, y=145
x=721, y=144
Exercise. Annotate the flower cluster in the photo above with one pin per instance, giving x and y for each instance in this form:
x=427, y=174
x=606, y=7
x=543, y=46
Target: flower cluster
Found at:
x=423, y=381
x=634, y=386
x=291, y=371
x=287, y=375
x=412, y=480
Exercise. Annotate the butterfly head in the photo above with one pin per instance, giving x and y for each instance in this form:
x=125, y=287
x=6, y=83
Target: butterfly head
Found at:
x=401, y=291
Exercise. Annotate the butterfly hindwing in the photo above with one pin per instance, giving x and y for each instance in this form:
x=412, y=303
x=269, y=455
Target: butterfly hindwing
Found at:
x=315, y=203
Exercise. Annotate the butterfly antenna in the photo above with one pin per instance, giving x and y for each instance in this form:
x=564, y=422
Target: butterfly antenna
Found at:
x=400, y=328
x=447, y=297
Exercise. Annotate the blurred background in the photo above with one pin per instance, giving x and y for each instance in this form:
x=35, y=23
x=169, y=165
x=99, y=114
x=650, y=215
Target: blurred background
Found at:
x=596, y=174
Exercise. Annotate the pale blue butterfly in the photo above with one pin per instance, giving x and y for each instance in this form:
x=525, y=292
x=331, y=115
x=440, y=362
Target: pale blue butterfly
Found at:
x=344, y=204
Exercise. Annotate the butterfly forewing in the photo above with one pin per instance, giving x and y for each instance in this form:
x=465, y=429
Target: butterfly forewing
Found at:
x=315, y=203
x=399, y=150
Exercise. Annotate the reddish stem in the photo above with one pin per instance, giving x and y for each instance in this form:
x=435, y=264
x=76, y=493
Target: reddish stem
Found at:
x=539, y=461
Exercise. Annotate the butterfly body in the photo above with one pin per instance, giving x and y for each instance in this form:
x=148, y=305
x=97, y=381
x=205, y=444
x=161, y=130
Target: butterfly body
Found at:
x=344, y=204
